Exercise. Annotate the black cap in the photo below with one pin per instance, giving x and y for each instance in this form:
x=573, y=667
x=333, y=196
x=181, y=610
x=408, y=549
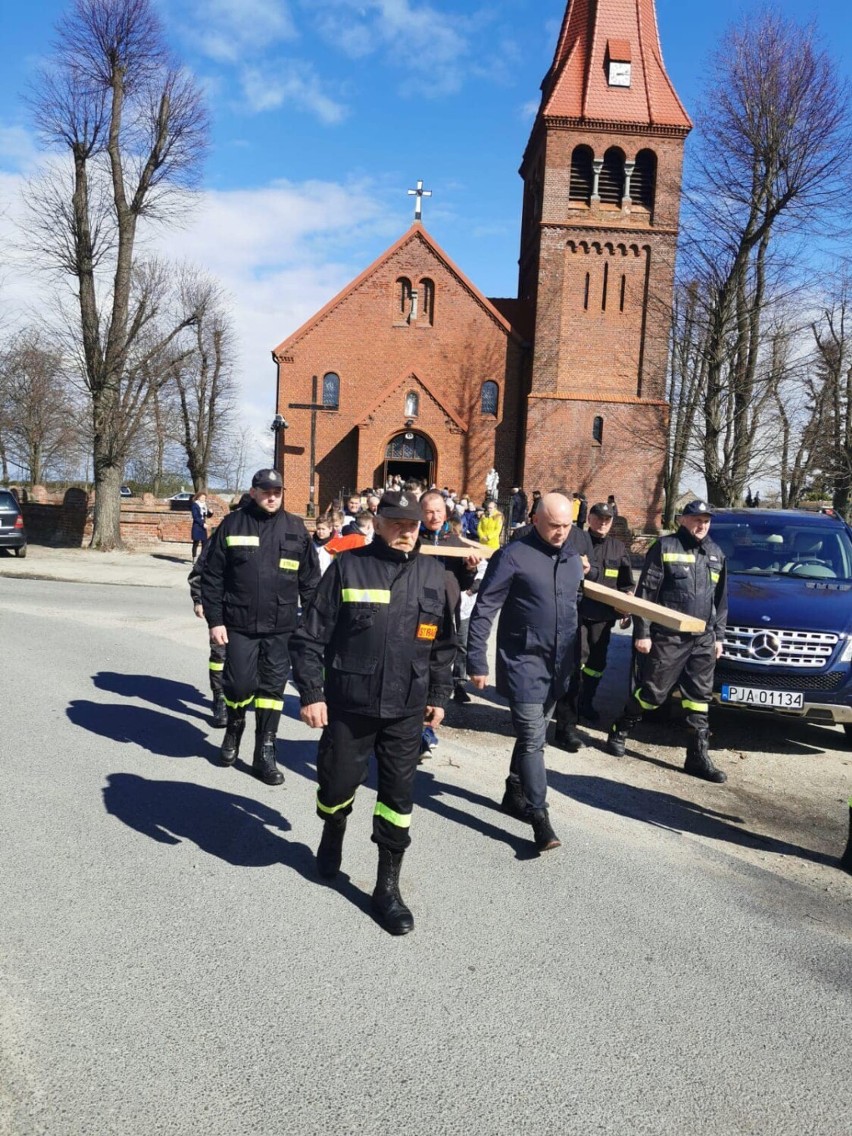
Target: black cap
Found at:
x=400, y=507
x=694, y=508
x=267, y=479
x=601, y=509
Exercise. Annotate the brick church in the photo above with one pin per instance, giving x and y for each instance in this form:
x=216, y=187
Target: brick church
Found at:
x=412, y=370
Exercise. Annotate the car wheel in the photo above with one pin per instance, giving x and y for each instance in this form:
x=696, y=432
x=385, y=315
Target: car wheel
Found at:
x=847, y=729
x=21, y=551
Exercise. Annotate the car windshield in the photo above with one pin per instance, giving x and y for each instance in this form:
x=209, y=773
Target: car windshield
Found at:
x=783, y=547
x=8, y=504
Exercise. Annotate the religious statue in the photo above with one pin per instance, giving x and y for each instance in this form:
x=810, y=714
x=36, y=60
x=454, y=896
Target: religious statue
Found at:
x=492, y=483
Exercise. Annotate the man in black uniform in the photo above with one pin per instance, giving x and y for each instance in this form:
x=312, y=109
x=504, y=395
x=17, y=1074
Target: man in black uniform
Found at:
x=685, y=572
x=216, y=664
x=612, y=560
x=260, y=562
x=373, y=663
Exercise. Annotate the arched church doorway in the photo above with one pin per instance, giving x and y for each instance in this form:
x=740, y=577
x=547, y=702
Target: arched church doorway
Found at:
x=410, y=455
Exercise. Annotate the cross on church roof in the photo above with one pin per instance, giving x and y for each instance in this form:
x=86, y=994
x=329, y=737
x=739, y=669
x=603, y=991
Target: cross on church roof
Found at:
x=419, y=193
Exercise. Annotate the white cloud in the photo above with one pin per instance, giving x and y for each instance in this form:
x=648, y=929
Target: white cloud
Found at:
x=291, y=82
x=229, y=30
x=17, y=149
x=416, y=38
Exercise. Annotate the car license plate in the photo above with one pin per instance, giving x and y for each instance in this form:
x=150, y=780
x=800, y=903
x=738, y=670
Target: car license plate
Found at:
x=771, y=699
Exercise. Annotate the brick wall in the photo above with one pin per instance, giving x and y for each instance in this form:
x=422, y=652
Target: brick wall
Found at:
x=65, y=520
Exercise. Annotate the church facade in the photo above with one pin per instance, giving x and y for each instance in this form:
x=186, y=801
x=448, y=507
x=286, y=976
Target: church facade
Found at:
x=412, y=370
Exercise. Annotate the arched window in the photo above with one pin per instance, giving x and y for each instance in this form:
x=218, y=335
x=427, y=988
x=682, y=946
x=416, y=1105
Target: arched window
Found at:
x=403, y=297
x=427, y=300
x=331, y=390
x=597, y=430
x=643, y=183
x=582, y=177
x=490, y=398
x=611, y=182
x=412, y=404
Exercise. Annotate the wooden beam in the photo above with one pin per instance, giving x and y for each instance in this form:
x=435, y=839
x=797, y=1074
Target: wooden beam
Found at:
x=654, y=613
x=468, y=548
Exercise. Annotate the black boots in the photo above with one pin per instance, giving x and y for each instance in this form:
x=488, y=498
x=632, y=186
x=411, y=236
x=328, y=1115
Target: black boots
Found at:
x=543, y=834
x=236, y=723
x=220, y=712
x=586, y=709
x=388, y=905
x=616, y=740
x=698, y=763
x=330, y=851
x=514, y=803
x=460, y=695
x=566, y=737
x=264, y=765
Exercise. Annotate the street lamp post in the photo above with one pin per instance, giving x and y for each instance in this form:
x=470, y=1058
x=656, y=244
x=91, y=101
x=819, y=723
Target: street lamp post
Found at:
x=279, y=429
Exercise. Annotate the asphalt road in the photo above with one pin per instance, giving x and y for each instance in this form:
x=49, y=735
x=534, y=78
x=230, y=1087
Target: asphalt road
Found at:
x=170, y=964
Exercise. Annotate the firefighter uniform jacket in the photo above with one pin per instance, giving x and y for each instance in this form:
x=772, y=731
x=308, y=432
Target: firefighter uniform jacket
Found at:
x=382, y=627
x=258, y=566
x=688, y=576
x=612, y=561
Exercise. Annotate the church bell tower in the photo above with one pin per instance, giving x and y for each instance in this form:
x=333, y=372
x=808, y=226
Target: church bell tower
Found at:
x=602, y=184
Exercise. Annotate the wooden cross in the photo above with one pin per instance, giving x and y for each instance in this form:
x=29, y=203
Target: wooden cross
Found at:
x=419, y=193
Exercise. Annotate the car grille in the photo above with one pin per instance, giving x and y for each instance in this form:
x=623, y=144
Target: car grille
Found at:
x=767, y=647
x=831, y=680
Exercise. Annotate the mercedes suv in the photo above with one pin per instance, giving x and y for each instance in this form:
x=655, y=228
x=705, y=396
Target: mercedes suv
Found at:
x=788, y=646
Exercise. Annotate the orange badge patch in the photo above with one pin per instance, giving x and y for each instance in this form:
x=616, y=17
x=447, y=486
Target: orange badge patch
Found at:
x=427, y=631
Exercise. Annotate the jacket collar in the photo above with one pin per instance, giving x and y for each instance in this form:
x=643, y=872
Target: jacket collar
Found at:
x=383, y=551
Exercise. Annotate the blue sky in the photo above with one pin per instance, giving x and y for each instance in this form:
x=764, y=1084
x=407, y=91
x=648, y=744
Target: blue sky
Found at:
x=325, y=112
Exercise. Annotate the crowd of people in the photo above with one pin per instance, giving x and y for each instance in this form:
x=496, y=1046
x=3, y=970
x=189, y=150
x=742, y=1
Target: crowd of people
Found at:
x=384, y=615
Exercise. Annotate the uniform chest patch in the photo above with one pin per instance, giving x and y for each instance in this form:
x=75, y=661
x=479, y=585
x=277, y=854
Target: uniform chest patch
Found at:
x=428, y=631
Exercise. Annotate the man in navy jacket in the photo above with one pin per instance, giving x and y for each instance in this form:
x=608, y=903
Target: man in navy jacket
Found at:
x=533, y=583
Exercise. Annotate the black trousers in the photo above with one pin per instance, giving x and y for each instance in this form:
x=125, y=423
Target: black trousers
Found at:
x=216, y=666
x=675, y=659
x=256, y=671
x=592, y=646
x=342, y=761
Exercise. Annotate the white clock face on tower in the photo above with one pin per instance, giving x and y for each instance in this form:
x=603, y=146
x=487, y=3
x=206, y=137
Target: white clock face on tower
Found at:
x=619, y=74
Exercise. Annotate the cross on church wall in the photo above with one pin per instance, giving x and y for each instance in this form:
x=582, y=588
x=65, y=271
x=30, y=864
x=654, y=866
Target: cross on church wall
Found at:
x=419, y=193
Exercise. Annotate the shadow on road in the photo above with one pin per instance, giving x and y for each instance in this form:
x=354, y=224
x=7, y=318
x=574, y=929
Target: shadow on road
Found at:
x=663, y=810
x=164, y=693
x=159, y=733
x=238, y=830
x=432, y=794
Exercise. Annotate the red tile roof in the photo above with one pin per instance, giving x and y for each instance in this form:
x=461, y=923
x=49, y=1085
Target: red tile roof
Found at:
x=576, y=86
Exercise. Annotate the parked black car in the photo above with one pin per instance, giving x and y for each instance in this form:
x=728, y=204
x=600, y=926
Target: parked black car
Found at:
x=788, y=647
x=12, y=532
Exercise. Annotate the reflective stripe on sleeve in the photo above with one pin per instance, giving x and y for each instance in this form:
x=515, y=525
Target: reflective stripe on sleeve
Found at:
x=217, y=666
x=366, y=595
x=678, y=557
x=268, y=704
x=332, y=809
x=592, y=674
x=289, y=565
x=242, y=541
x=398, y=819
x=698, y=707
x=714, y=576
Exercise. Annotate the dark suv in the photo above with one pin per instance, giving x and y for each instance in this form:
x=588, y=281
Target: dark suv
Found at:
x=788, y=646
x=12, y=531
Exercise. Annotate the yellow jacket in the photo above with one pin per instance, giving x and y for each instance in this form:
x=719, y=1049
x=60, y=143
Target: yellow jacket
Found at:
x=488, y=530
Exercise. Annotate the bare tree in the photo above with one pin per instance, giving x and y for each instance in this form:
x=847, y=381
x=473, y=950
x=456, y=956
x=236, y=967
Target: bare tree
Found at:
x=204, y=378
x=832, y=418
x=133, y=126
x=774, y=147
x=38, y=410
x=685, y=389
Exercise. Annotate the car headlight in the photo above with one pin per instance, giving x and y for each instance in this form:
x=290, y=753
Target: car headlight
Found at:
x=846, y=653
